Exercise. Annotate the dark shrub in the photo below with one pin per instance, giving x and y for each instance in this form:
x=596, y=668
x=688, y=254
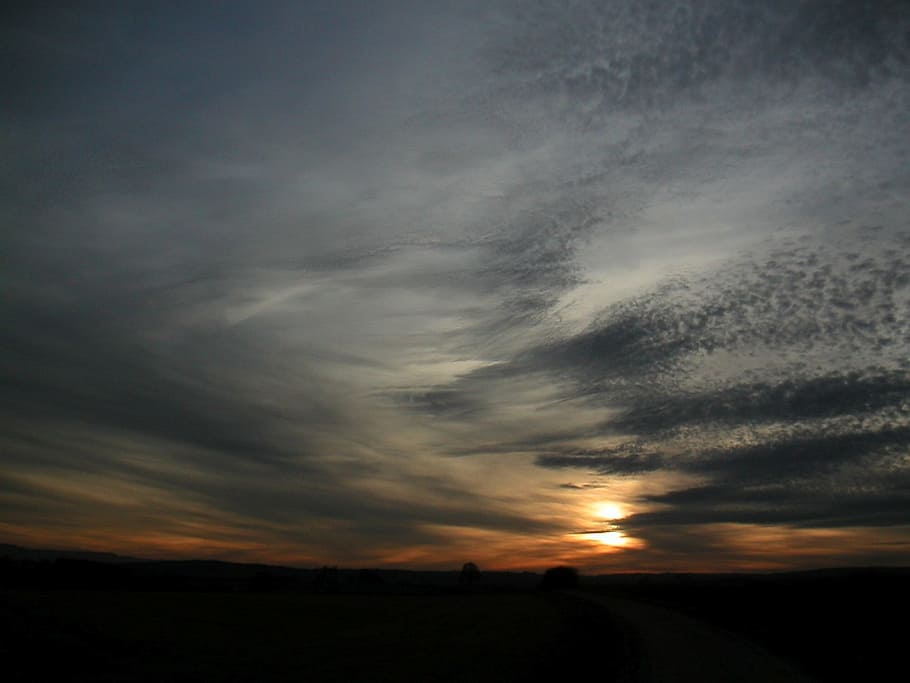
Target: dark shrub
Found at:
x=470, y=573
x=369, y=577
x=556, y=578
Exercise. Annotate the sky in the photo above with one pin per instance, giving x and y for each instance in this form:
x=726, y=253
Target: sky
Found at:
x=619, y=284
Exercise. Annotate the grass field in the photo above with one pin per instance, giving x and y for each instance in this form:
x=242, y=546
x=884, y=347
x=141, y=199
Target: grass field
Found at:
x=150, y=636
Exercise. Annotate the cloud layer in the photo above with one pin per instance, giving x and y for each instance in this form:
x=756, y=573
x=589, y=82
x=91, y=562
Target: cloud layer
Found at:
x=386, y=284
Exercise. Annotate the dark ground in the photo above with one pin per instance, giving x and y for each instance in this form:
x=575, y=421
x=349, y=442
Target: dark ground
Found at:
x=95, y=634
x=84, y=620
x=835, y=625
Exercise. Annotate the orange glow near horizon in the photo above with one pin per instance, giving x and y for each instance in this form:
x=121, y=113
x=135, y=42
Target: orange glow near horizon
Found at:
x=610, y=548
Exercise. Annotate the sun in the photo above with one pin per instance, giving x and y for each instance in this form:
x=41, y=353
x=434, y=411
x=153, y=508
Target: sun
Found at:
x=617, y=539
x=608, y=511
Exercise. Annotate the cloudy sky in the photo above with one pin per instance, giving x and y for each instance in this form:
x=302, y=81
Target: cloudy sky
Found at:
x=618, y=283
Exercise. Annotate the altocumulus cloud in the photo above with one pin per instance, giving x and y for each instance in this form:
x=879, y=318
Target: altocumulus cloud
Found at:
x=370, y=284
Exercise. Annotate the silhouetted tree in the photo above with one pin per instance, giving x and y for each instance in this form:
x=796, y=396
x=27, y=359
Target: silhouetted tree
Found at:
x=559, y=577
x=470, y=573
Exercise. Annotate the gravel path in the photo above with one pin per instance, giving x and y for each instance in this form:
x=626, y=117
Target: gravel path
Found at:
x=674, y=647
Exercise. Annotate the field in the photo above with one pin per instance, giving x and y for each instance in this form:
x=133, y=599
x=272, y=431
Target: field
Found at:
x=77, y=619
x=98, y=635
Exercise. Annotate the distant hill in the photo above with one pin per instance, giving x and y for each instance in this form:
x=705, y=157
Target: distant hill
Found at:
x=16, y=552
x=83, y=568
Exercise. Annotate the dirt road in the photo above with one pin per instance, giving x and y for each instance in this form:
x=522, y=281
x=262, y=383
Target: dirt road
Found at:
x=672, y=647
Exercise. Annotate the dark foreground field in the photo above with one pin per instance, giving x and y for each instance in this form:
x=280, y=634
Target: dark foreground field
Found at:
x=98, y=635
x=118, y=619
x=836, y=626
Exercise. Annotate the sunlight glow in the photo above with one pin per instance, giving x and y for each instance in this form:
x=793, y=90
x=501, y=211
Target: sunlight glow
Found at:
x=608, y=511
x=616, y=539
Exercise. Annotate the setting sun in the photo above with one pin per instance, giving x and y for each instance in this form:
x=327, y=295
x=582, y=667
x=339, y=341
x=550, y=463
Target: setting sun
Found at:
x=608, y=511
x=612, y=538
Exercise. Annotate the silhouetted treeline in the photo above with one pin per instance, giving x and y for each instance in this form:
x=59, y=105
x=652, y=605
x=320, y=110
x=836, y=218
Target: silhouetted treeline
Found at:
x=558, y=578
x=208, y=576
